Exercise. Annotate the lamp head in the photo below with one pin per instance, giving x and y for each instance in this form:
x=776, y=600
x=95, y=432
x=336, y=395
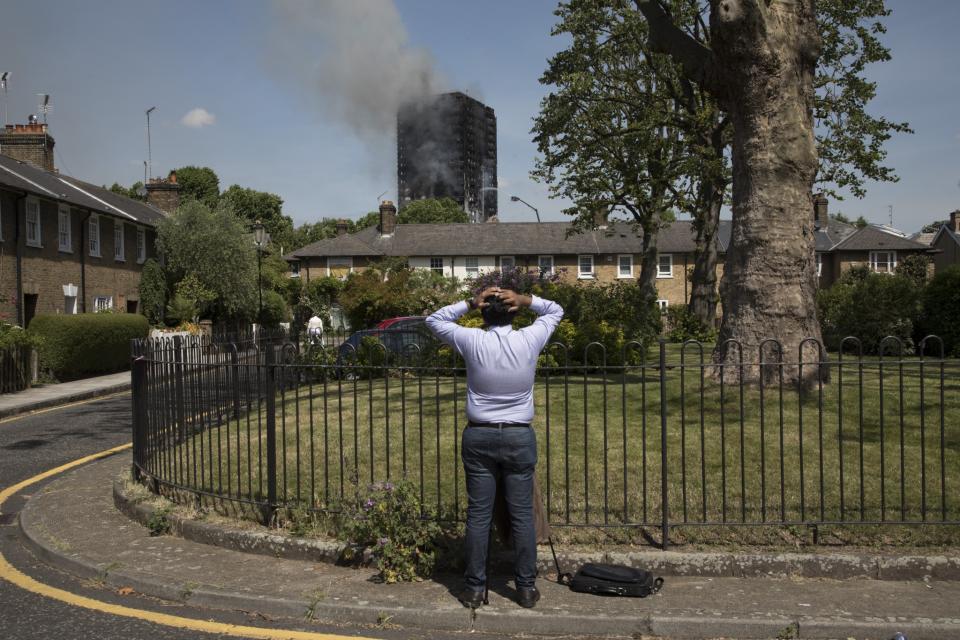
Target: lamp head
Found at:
x=514, y=198
x=259, y=233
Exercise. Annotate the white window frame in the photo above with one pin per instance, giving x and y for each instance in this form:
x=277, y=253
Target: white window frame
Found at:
x=339, y=262
x=660, y=272
x=581, y=274
x=891, y=261
x=102, y=303
x=819, y=264
x=294, y=268
x=32, y=205
x=628, y=256
x=433, y=267
x=548, y=271
x=472, y=270
x=93, y=242
x=141, y=245
x=511, y=259
x=119, y=248
x=663, y=305
x=64, y=229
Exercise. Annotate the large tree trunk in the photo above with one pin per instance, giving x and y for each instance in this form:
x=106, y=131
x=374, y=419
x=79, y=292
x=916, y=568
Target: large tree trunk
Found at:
x=703, y=294
x=761, y=65
x=768, y=58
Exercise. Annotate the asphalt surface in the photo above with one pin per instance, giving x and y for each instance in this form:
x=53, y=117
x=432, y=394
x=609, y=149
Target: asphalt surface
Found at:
x=35, y=443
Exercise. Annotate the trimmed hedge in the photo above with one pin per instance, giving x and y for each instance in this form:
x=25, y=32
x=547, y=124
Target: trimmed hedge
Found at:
x=88, y=343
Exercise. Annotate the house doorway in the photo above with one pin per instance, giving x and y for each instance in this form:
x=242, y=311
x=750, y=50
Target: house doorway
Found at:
x=29, y=307
x=132, y=306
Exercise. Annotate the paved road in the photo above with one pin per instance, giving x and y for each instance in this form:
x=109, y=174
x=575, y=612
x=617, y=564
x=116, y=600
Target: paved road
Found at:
x=35, y=443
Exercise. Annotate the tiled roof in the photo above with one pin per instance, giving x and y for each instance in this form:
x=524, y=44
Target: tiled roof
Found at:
x=835, y=233
x=873, y=237
x=505, y=238
x=22, y=176
x=947, y=231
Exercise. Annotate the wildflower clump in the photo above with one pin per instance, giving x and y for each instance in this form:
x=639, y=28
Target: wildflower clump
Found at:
x=390, y=523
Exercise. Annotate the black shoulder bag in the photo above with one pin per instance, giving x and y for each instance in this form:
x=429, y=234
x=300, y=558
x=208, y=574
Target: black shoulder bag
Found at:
x=609, y=579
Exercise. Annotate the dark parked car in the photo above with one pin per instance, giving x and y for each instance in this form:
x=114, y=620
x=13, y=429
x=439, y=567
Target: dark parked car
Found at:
x=401, y=343
x=401, y=322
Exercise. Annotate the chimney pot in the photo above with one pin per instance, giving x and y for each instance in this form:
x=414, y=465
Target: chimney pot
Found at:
x=955, y=221
x=388, y=218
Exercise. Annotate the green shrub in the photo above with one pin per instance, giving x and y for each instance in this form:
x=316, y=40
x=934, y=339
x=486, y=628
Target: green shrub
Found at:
x=941, y=310
x=153, y=291
x=89, y=343
x=274, y=310
x=683, y=325
x=869, y=306
x=393, y=525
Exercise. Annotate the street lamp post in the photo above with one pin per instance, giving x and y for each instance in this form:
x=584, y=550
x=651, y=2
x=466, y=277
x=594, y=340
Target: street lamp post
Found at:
x=516, y=199
x=260, y=238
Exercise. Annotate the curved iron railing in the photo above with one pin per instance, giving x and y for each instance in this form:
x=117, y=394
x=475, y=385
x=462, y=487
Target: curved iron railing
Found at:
x=663, y=438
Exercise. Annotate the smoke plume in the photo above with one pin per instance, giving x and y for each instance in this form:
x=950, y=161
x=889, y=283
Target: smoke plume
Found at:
x=354, y=58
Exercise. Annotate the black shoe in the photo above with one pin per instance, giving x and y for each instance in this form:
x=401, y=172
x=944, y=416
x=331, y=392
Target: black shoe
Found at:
x=527, y=598
x=470, y=598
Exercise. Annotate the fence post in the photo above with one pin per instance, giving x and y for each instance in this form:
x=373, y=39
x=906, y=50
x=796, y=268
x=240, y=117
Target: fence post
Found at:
x=664, y=501
x=235, y=361
x=271, y=393
x=138, y=394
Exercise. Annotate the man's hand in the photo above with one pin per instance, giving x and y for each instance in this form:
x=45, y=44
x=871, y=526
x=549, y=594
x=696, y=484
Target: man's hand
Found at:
x=478, y=302
x=513, y=299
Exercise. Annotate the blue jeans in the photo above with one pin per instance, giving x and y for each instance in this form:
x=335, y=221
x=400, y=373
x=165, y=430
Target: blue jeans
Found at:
x=509, y=454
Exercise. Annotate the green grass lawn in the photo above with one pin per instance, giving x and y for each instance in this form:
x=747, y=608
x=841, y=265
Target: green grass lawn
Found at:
x=856, y=448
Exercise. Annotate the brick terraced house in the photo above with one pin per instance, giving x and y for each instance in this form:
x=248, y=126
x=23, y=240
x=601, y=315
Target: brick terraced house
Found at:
x=607, y=253
x=67, y=246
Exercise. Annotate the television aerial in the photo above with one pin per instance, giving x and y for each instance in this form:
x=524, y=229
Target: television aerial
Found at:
x=4, y=79
x=45, y=106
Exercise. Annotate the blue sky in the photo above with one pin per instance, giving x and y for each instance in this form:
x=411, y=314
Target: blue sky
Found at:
x=274, y=118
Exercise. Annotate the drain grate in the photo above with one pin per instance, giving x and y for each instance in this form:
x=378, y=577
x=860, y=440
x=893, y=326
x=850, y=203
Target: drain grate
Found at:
x=7, y=518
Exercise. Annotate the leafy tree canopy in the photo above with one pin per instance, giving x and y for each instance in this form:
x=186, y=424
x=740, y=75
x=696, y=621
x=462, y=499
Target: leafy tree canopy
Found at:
x=214, y=247
x=426, y=211
x=199, y=183
x=252, y=205
x=132, y=192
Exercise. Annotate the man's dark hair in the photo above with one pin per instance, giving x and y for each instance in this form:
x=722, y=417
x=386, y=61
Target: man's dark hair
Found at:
x=497, y=313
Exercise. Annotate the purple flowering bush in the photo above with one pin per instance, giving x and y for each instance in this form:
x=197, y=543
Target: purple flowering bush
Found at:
x=390, y=523
x=518, y=280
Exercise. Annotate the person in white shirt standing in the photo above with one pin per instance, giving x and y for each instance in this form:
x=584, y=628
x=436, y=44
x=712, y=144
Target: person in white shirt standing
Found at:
x=498, y=442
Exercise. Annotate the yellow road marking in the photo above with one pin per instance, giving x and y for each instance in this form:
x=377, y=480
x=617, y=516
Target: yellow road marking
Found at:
x=12, y=575
x=27, y=414
x=9, y=491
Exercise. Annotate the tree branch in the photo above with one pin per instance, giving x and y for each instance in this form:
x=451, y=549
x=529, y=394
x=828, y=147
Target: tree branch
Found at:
x=696, y=60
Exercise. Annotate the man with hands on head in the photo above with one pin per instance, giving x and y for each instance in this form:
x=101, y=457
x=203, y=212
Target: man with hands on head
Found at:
x=498, y=442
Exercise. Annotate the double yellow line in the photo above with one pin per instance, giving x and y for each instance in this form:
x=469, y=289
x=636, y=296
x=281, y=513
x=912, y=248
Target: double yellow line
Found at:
x=12, y=575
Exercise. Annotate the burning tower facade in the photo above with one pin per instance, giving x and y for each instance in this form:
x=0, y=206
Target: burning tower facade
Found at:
x=447, y=148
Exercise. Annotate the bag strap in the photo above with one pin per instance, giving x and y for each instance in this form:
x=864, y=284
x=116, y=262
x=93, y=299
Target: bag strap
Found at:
x=657, y=585
x=562, y=578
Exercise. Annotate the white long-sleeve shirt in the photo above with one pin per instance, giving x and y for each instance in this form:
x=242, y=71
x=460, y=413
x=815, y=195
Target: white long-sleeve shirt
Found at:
x=501, y=362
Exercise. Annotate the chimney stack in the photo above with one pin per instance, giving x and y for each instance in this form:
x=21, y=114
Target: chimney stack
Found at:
x=29, y=143
x=388, y=218
x=821, y=211
x=600, y=218
x=164, y=194
x=342, y=227
x=955, y=221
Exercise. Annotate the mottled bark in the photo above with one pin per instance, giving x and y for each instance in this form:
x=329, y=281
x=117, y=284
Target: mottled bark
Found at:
x=769, y=279
x=703, y=294
x=761, y=66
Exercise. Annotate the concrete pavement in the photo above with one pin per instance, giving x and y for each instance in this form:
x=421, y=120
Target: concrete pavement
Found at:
x=53, y=395
x=73, y=524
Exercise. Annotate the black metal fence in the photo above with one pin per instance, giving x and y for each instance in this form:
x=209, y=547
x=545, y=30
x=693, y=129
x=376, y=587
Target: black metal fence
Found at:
x=664, y=438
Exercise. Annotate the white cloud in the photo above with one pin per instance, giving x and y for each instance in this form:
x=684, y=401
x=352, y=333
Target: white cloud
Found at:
x=198, y=117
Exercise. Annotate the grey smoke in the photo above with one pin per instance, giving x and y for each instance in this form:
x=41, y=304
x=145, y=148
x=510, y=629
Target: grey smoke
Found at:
x=354, y=58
